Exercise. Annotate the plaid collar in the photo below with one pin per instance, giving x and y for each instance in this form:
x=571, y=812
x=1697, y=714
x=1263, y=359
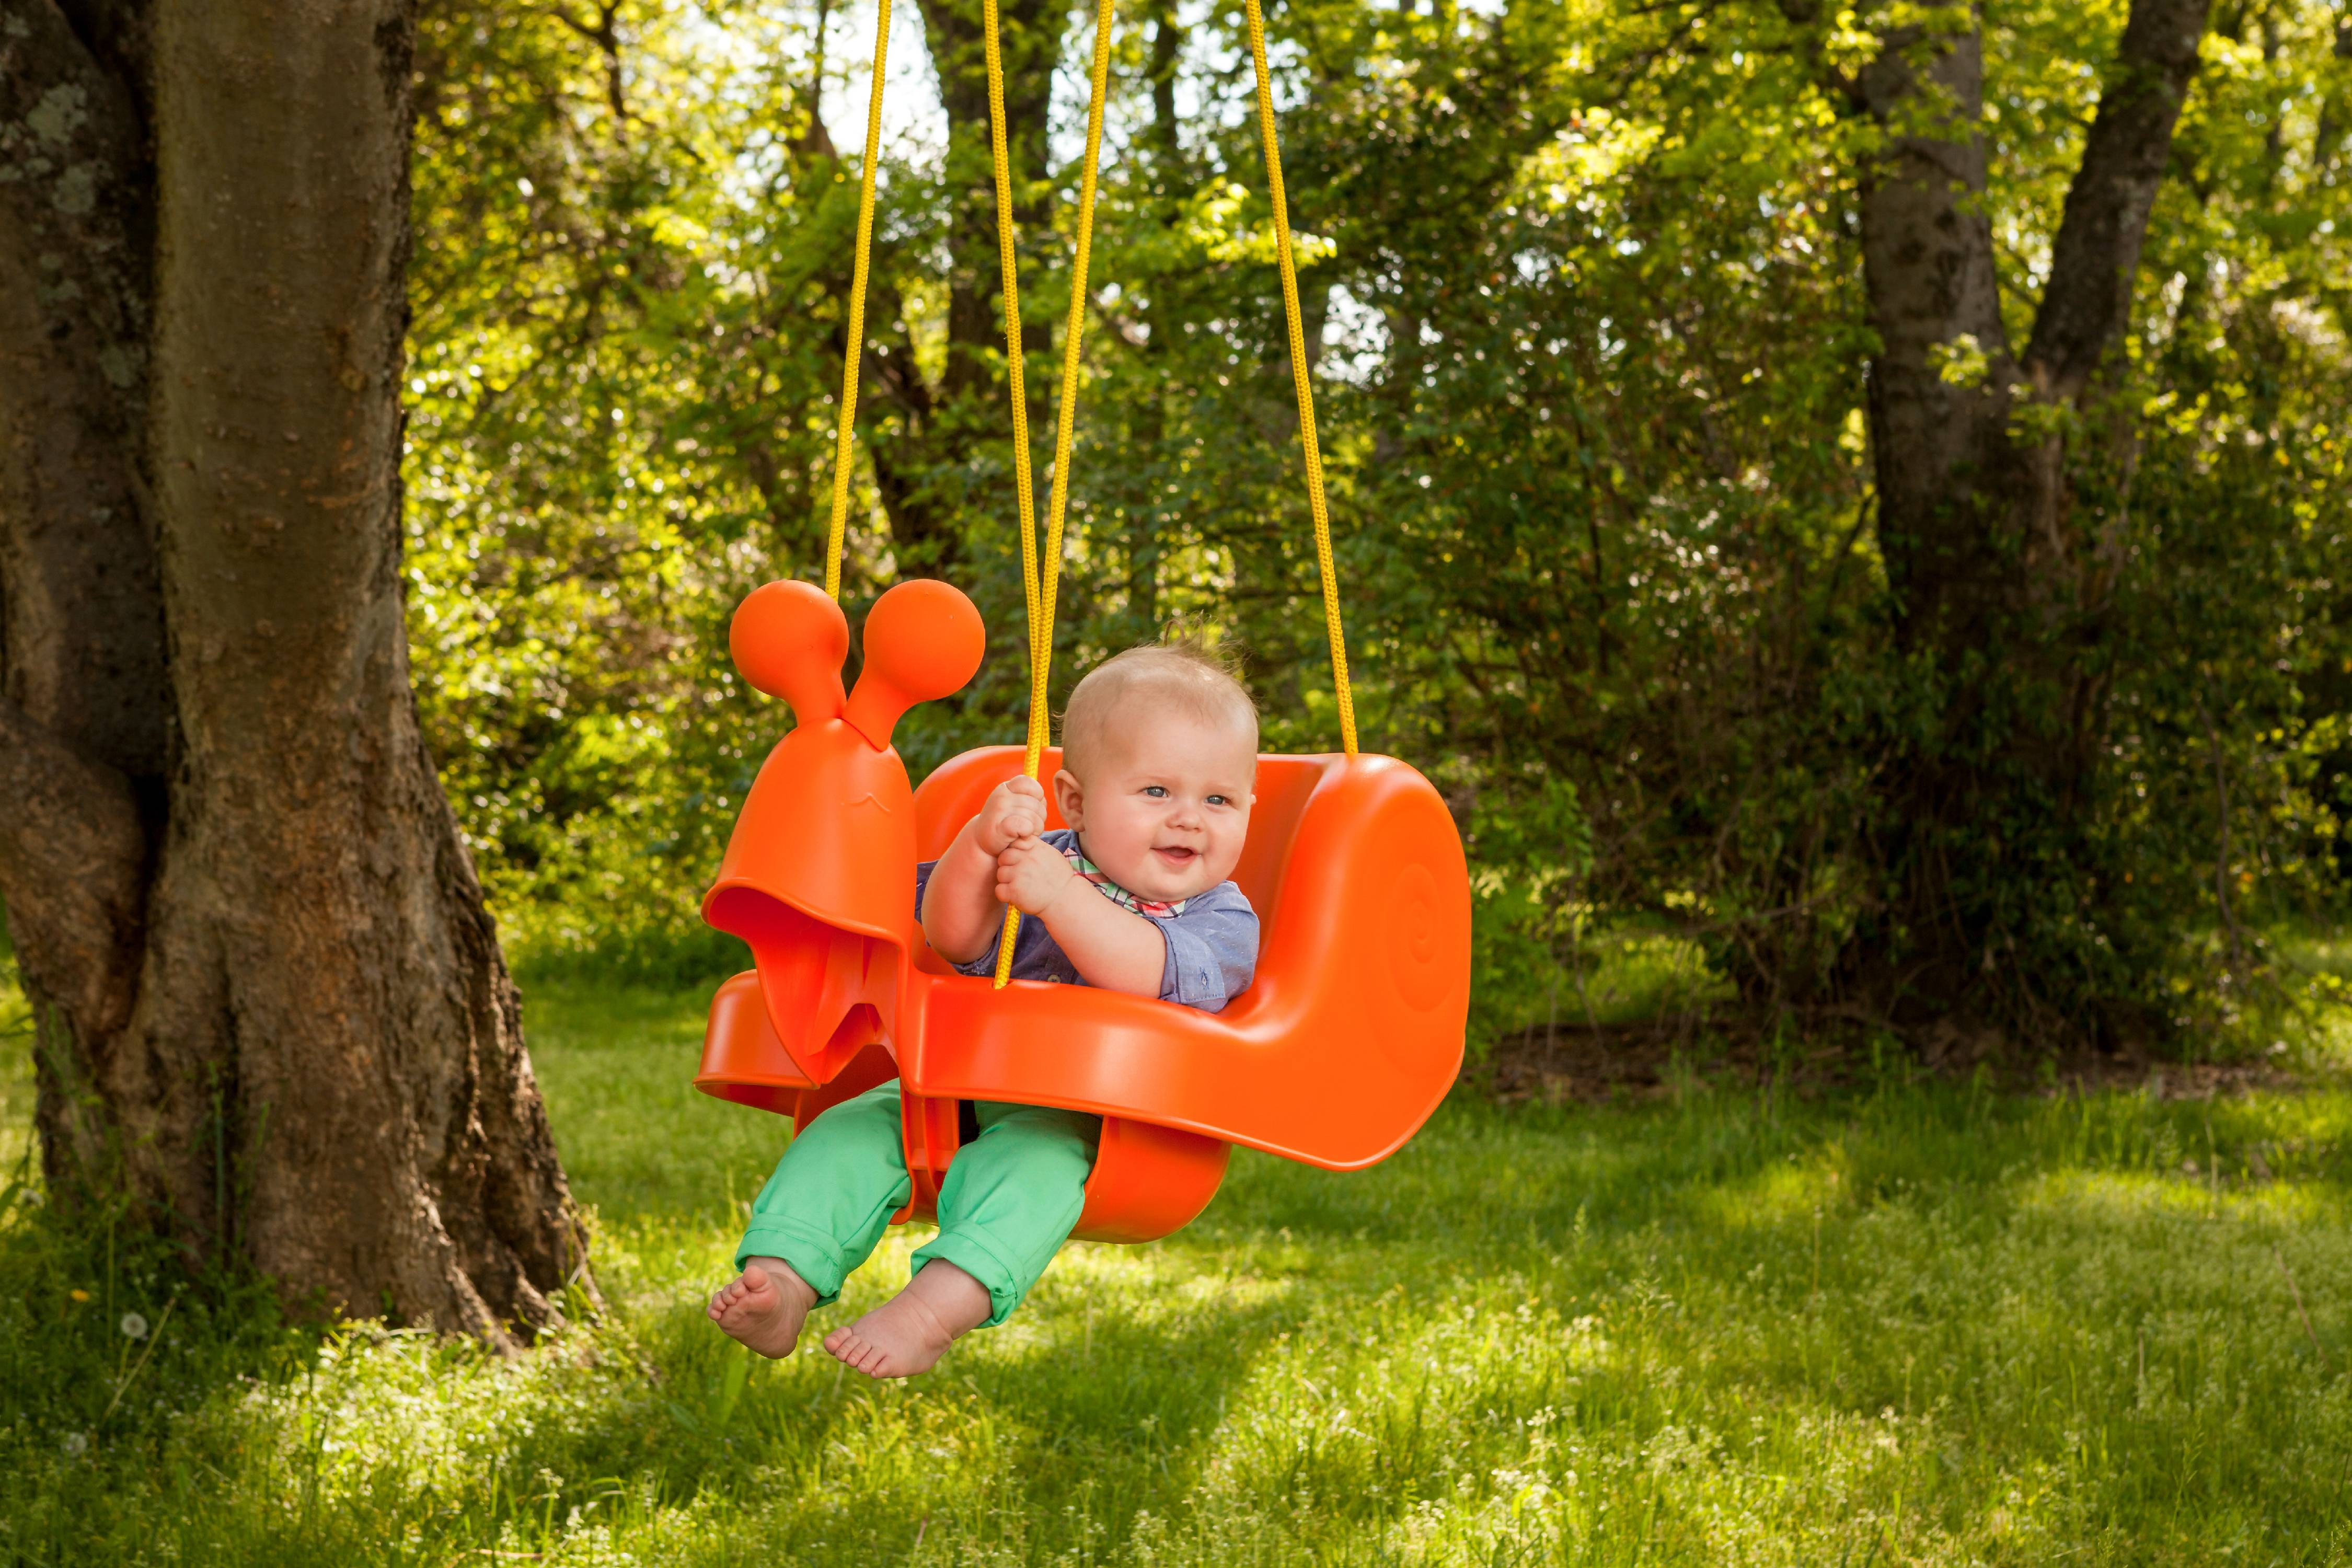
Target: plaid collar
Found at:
x=1158, y=908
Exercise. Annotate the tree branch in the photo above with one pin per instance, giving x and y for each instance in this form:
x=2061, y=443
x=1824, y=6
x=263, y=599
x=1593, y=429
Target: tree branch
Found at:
x=817, y=141
x=2087, y=303
x=606, y=35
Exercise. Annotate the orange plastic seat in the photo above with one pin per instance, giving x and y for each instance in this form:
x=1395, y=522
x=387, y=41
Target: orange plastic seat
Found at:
x=1344, y=1041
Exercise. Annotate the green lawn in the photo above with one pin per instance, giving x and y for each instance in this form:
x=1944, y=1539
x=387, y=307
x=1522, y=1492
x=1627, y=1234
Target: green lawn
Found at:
x=1925, y=1324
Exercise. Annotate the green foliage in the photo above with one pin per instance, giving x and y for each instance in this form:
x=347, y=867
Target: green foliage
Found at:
x=1527, y=850
x=1648, y=369
x=1918, y=1321
x=1587, y=288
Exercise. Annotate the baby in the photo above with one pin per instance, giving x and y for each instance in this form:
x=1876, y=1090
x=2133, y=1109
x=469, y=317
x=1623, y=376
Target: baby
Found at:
x=1159, y=758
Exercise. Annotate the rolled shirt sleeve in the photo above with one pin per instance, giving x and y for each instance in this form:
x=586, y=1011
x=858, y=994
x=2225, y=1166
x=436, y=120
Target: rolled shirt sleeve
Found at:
x=1035, y=955
x=1212, y=949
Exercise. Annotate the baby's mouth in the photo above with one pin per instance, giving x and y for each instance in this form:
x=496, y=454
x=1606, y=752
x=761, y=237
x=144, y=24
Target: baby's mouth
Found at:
x=1177, y=853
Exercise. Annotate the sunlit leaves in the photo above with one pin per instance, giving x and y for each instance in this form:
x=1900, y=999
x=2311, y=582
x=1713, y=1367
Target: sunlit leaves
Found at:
x=1592, y=391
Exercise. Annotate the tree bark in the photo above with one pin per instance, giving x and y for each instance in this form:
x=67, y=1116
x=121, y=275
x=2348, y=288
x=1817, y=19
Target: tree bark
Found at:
x=920, y=472
x=1927, y=266
x=1032, y=45
x=1998, y=584
x=1161, y=145
x=271, y=1003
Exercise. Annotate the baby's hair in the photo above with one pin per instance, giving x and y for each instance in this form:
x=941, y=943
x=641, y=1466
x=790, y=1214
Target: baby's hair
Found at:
x=1186, y=675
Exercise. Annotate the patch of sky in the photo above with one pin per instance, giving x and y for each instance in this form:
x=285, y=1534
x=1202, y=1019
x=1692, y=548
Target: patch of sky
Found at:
x=745, y=54
x=914, y=121
x=1128, y=113
x=1215, y=87
x=1355, y=338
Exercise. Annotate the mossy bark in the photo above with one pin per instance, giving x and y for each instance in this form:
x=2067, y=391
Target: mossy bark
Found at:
x=269, y=1001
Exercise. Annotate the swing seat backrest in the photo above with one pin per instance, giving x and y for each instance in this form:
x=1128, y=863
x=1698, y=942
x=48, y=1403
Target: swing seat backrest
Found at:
x=1347, y=1037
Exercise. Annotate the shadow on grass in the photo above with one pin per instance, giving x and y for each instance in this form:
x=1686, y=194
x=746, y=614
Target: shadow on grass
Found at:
x=1517, y=1184
x=371, y=1447
x=2109, y=1318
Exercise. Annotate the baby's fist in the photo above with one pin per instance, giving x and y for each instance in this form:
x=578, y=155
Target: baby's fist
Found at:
x=1016, y=810
x=1031, y=874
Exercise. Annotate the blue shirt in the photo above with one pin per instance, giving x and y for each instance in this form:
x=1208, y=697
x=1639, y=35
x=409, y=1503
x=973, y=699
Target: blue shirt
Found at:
x=1211, y=943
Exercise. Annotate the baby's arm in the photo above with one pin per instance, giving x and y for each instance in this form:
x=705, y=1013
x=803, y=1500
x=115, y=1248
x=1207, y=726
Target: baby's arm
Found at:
x=960, y=914
x=1111, y=948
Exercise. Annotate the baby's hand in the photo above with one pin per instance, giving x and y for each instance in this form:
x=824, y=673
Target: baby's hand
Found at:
x=1016, y=810
x=1031, y=874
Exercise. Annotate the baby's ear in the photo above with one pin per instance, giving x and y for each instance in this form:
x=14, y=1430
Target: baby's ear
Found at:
x=789, y=640
x=1070, y=795
x=923, y=640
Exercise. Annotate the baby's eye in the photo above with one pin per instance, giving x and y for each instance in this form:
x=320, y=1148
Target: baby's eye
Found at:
x=1219, y=800
x=1157, y=792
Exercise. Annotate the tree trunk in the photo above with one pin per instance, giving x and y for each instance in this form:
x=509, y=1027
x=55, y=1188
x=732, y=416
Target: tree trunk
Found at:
x=269, y=1001
x=1148, y=520
x=1998, y=583
x=922, y=473
x=1032, y=37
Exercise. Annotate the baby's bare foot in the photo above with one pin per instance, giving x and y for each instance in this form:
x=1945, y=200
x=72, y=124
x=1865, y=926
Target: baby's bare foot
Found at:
x=764, y=1306
x=908, y=1334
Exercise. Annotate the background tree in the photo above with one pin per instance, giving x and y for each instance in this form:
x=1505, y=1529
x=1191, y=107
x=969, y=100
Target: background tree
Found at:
x=2002, y=563
x=1605, y=310
x=2052, y=812
x=269, y=1001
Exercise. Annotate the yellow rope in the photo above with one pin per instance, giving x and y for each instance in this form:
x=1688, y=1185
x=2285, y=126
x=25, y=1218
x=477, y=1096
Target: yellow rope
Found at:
x=1315, y=501
x=1025, y=494
x=853, y=360
x=1042, y=587
x=1039, y=586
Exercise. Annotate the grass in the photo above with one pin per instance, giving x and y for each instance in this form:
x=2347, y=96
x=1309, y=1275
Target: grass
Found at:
x=1922, y=1324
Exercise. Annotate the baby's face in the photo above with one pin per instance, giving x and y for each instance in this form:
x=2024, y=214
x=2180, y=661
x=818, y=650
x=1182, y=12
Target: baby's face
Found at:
x=1165, y=804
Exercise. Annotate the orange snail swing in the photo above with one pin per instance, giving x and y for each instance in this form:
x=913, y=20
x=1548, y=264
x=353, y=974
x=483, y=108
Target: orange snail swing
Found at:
x=1340, y=1048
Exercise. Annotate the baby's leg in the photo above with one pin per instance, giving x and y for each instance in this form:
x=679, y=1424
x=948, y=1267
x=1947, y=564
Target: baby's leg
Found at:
x=818, y=1218
x=1008, y=1204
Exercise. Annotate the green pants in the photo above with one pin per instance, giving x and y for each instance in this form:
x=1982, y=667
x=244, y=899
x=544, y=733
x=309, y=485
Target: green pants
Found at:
x=1009, y=1201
